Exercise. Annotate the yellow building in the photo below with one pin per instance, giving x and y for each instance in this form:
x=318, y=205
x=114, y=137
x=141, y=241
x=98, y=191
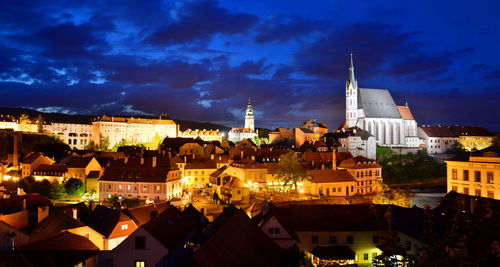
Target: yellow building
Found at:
x=479, y=175
x=329, y=183
x=249, y=171
x=205, y=135
x=196, y=174
x=475, y=142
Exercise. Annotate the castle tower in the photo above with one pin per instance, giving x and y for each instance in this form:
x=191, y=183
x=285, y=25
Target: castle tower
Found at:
x=249, y=119
x=351, y=93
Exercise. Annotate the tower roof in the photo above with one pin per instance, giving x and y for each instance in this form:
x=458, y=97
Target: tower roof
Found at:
x=352, y=78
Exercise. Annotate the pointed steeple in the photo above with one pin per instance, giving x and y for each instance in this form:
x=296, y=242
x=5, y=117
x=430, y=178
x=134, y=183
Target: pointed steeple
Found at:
x=352, y=79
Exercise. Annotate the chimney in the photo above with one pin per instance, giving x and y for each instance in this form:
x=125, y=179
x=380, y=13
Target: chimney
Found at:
x=142, y=160
x=125, y=160
x=271, y=149
x=334, y=159
x=253, y=158
x=241, y=154
x=17, y=141
x=212, y=157
x=153, y=162
x=185, y=159
x=75, y=213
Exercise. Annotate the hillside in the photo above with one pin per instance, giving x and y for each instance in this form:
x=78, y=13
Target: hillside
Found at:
x=60, y=117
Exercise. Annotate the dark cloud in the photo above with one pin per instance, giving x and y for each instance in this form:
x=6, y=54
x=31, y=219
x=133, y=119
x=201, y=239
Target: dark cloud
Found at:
x=199, y=21
x=283, y=28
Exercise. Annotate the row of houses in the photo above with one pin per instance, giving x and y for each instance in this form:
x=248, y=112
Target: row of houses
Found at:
x=273, y=234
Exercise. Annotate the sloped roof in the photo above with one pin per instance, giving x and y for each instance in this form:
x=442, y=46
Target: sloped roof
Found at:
x=32, y=157
x=79, y=162
x=62, y=241
x=54, y=223
x=359, y=162
x=201, y=164
x=104, y=219
x=455, y=131
x=248, y=164
x=169, y=228
x=330, y=176
x=236, y=183
x=377, y=103
x=142, y=215
x=51, y=168
x=405, y=113
x=239, y=241
x=93, y=174
x=218, y=172
x=15, y=203
x=134, y=171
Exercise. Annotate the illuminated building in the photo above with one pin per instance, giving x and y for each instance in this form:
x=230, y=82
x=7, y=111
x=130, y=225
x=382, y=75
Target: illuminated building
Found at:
x=310, y=131
x=76, y=135
x=479, y=175
x=247, y=132
x=374, y=110
x=440, y=139
x=357, y=141
x=205, y=135
x=366, y=172
x=112, y=130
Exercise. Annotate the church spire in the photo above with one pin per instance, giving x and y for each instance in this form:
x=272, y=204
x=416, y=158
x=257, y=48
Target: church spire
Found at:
x=352, y=79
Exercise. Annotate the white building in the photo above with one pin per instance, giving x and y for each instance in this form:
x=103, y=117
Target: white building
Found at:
x=74, y=134
x=358, y=142
x=374, y=110
x=248, y=132
x=133, y=130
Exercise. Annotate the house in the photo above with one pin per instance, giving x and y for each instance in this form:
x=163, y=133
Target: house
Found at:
x=53, y=172
x=61, y=249
x=367, y=172
x=22, y=211
x=192, y=148
x=476, y=175
x=237, y=241
x=142, y=178
x=86, y=169
x=440, y=139
x=153, y=242
x=357, y=141
x=196, y=173
x=32, y=161
x=235, y=190
x=322, y=229
x=249, y=171
x=143, y=214
x=329, y=183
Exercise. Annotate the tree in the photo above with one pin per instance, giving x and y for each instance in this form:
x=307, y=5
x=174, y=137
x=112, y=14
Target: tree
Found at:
x=74, y=187
x=24, y=122
x=290, y=171
x=155, y=142
x=458, y=149
x=395, y=196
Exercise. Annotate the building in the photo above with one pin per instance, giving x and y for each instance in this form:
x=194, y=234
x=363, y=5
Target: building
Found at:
x=53, y=172
x=358, y=142
x=440, y=139
x=477, y=175
x=141, y=178
x=329, y=183
x=76, y=135
x=310, y=131
x=238, y=134
x=366, y=172
x=375, y=111
x=32, y=161
x=112, y=130
x=205, y=135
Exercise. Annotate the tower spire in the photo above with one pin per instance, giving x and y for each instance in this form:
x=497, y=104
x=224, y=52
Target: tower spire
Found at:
x=352, y=79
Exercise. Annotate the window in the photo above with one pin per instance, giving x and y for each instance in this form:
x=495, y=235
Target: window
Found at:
x=276, y=231
x=350, y=239
x=140, y=242
x=124, y=226
x=140, y=263
x=375, y=239
x=328, y=191
x=454, y=188
x=477, y=176
x=466, y=190
x=374, y=255
x=454, y=174
x=489, y=177
x=491, y=194
x=466, y=175
x=314, y=239
x=270, y=230
x=477, y=192
x=333, y=239
x=365, y=256
x=109, y=187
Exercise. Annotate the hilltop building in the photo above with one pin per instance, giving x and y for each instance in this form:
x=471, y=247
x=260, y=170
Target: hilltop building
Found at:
x=440, y=139
x=310, y=131
x=374, y=110
x=247, y=132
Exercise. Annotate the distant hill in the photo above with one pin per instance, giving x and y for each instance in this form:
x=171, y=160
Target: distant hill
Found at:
x=67, y=118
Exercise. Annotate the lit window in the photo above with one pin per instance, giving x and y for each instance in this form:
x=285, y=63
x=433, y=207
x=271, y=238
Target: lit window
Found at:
x=140, y=263
x=489, y=177
x=124, y=226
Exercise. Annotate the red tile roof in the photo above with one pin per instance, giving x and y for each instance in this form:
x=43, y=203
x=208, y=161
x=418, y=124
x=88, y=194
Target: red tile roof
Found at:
x=455, y=131
x=330, y=176
x=62, y=241
x=405, y=113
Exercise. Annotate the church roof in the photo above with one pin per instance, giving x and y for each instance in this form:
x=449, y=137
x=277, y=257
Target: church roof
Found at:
x=405, y=113
x=377, y=103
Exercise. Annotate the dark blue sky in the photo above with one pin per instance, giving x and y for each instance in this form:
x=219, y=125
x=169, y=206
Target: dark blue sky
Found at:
x=201, y=60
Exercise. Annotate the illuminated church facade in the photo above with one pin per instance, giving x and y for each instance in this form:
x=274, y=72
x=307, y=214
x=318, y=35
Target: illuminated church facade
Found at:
x=375, y=111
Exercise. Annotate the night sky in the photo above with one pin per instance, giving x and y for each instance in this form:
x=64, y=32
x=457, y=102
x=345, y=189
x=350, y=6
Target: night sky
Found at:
x=201, y=60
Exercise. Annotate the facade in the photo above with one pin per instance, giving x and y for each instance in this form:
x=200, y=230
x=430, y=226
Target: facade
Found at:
x=310, y=131
x=138, y=178
x=75, y=135
x=205, y=135
x=329, y=183
x=358, y=142
x=440, y=139
x=375, y=111
x=112, y=130
x=366, y=172
x=247, y=132
x=479, y=175
x=31, y=163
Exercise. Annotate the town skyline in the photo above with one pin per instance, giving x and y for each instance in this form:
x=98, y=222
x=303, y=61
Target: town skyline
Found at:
x=201, y=60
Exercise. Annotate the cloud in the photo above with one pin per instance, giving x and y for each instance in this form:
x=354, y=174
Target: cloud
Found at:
x=196, y=21
x=284, y=28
